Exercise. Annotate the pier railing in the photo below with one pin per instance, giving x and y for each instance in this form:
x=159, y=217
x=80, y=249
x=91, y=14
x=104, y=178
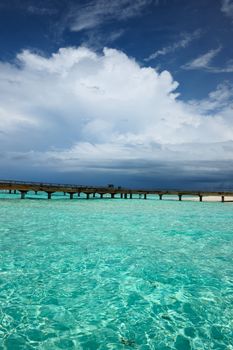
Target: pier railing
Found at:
x=52, y=184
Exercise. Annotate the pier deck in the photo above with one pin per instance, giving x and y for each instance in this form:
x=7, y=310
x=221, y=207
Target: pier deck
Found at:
x=23, y=187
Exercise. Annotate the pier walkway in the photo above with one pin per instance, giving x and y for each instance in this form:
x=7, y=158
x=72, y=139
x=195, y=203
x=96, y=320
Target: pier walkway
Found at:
x=23, y=187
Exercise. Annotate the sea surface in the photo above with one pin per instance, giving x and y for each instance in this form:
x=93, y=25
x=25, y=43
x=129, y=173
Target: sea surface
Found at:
x=115, y=274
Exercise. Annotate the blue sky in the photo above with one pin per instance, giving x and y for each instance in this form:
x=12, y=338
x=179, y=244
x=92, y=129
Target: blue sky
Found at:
x=132, y=92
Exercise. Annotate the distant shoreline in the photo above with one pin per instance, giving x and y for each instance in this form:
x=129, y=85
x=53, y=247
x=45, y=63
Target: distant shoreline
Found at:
x=207, y=199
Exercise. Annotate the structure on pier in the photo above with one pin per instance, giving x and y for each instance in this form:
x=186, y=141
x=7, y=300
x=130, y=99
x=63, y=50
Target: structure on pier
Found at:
x=23, y=188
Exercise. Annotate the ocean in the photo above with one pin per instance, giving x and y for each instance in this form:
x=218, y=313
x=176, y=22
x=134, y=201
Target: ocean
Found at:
x=115, y=274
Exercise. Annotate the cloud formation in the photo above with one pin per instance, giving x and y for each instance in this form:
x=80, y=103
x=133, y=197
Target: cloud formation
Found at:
x=185, y=40
x=227, y=8
x=78, y=110
x=203, y=61
x=94, y=13
x=41, y=11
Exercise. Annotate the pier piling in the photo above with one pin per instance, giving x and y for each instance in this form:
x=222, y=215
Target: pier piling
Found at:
x=49, y=195
x=23, y=194
x=23, y=187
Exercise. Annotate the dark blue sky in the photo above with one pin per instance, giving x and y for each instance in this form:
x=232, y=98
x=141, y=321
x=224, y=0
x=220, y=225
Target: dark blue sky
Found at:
x=45, y=26
x=192, y=40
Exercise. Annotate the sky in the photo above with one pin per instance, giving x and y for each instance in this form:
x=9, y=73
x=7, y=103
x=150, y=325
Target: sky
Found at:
x=135, y=93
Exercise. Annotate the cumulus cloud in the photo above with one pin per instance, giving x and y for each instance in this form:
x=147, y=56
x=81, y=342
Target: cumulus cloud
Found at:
x=79, y=110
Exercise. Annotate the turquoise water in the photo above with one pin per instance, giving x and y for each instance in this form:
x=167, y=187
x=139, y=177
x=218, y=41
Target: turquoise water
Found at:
x=115, y=274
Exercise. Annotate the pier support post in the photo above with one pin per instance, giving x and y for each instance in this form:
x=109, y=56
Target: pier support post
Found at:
x=23, y=194
x=144, y=195
x=94, y=195
x=101, y=195
x=15, y=191
x=9, y=191
x=64, y=193
x=131, y=195
x=78, y=194
x=88, y=195
x=36, y=192
x=112, y=195
x=180, y=197
x=121, y=195
x=125, y=196
x=49, y=195
x=71, y=195
x=200, y=196
x=223, y=199
x=160, y=196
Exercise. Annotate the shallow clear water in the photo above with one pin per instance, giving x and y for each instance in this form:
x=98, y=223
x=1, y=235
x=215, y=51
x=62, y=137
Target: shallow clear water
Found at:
x=115, y=274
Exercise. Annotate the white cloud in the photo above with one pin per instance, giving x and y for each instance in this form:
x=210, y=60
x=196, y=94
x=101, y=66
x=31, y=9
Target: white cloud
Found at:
x=41, y=11
x=228, y=68
x=94, y=13
x=227, y=8
x=78, y=109
x=218, y=100
x=202, y=62
x=185, y=40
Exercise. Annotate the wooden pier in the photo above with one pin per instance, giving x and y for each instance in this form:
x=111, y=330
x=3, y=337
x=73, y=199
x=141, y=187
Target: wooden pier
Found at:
x=23, y=188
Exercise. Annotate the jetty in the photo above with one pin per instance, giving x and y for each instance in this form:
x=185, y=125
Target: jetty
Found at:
x=24, y=187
